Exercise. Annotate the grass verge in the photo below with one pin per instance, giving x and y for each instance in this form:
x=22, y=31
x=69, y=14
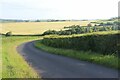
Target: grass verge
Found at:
x=106, y=60
x=13, y=64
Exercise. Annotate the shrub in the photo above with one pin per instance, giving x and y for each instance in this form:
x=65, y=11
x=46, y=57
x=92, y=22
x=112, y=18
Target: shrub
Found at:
x=48, y=32
x=89, y=25
x=8, y=33
x=77, y=29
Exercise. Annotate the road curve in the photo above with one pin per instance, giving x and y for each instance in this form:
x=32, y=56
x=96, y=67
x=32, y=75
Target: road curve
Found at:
x=56, y=66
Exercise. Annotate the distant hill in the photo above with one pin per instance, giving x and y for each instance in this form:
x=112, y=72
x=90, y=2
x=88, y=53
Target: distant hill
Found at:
x=48, y=20
x=16, y=20
x=10, y=20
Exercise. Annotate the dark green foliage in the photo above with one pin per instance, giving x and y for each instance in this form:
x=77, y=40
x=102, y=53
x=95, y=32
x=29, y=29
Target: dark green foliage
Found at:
x=50, y=32
x=101, y=24
x=109, y=23
x=105, y=44
x=8, y=34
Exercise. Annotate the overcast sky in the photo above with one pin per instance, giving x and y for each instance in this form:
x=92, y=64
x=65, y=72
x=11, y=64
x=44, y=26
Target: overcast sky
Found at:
x=58, y=9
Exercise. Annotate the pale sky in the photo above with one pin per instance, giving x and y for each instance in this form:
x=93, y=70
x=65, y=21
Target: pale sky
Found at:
x=58, y=9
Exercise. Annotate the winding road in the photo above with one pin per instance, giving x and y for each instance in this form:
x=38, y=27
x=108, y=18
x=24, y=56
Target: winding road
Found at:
x=55, y=66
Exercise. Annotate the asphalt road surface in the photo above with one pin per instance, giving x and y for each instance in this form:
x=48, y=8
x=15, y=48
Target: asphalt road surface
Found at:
x=55, y=66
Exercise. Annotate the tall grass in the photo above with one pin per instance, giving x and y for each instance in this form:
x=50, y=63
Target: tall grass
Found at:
x=13, y=64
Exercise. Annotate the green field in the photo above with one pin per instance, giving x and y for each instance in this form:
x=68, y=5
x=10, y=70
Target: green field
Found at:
x=13, y=64
x=24, y=28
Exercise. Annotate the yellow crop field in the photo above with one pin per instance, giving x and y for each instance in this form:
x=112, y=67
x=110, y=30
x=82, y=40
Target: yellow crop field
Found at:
x=25, y=28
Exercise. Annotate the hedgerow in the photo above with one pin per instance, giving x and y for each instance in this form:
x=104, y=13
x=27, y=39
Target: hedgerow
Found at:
x=100, y=43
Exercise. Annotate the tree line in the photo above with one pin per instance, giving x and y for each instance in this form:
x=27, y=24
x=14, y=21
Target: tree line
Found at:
x=77, y=29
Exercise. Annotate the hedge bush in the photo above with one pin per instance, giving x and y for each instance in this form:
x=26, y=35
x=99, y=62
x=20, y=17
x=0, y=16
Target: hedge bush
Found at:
x=8, y=34
x=105, y=44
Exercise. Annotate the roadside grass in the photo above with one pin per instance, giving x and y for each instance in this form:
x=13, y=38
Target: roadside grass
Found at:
x=13, y=64
x=106, y=60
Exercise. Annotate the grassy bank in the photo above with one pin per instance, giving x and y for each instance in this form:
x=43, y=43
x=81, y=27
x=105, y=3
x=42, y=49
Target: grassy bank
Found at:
x=13, y=64
x=106, y=60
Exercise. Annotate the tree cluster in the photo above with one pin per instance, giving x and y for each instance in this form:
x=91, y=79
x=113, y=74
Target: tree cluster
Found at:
x=77, y=29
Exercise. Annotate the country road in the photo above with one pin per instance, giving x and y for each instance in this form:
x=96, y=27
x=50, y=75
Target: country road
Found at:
x=55, y=66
